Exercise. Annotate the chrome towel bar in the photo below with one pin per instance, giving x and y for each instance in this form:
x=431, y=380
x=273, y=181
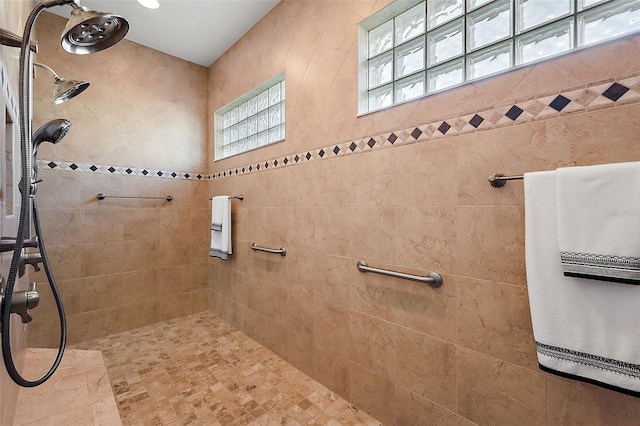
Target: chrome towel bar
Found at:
x=103, y=196
x=281, y=251
x=434, y=279
x=499, y=180
x=237, y=197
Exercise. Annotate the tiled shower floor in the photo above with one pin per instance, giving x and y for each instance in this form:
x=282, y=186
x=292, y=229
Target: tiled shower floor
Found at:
x=200, y=370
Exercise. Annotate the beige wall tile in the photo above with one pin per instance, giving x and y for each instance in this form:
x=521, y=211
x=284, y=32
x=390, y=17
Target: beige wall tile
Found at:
x=412, y=409
x=597, y=137
x=426, y=238
x=426, y=309
x=495, y=319
x=491, y=243
x=427, y=366
x=570, y=402
x=425, y=175
x=333, y=277
x=509, y=150
x=372, y=393
x=332, y=328
x=492, y=391
x=332, y=370
x=373, y=345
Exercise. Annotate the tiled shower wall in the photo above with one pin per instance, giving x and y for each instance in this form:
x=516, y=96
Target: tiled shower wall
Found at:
x=406, y=353
x=122, y=263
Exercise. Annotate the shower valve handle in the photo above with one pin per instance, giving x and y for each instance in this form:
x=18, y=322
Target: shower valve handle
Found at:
x=22, y=301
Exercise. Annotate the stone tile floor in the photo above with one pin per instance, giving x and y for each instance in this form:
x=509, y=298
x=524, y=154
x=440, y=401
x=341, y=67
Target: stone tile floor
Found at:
x=199, y=370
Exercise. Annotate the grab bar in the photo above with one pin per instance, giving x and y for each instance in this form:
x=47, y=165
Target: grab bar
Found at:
x=434, y=279
x=281, y=251
x=499, y=180
x=103, y=196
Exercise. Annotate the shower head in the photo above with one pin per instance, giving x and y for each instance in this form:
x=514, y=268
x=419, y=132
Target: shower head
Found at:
x=52, y=131
x=89, y=31
x=67, y=89
x=64, y=89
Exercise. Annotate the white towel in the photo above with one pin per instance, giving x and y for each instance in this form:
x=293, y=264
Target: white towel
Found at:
x=599, y=221
x=217, y=213
x=220, y=238
x=582, y=328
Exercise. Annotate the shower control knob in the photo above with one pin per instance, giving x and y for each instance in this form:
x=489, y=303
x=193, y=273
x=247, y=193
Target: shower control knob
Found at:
x=22, y=301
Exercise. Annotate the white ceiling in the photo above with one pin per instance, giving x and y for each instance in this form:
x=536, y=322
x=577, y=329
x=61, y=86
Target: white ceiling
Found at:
x=198, y=31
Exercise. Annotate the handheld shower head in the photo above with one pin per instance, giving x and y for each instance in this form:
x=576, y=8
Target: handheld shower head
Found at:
x=52, y=131
x=90, y=31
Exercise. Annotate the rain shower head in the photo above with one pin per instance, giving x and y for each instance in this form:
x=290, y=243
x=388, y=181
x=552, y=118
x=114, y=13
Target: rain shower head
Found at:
x=52, y=131
x=64, y=89
x=89, y=31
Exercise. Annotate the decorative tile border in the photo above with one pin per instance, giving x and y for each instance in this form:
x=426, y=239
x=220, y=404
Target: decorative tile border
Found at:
x=593, y=96
x=68, y=166
x=597, y=95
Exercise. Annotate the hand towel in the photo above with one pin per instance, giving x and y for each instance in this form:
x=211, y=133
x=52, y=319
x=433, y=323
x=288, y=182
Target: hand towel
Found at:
x=583, y=329
x=221, y=239
x=217, y=212
x=599, y=221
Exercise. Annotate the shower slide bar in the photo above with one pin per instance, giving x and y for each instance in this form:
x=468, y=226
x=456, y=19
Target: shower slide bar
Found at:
x=499, y=180
x=236, y=197
x=434, y=279
x=103, y=196
x=281, y=251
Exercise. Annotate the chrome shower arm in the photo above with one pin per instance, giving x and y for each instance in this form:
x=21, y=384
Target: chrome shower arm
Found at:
x=49, y=70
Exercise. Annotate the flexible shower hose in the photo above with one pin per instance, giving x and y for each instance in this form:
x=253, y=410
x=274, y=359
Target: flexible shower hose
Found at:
x=25, y=200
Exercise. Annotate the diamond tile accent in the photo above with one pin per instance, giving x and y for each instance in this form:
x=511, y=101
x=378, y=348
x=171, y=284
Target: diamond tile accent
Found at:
x=371, y=143
x=392, y=138
x=308, y=156
x=353, y=146
x=514, y=112
x=144, y=172
x=93, y=168
x=416, y=133
x=73, y=166
x=336, y=150
x=296, y=158
x=321, y=153
x=159, y=173
x=111, y=169
x=559, y=103
x=444, y=127
x=476, y=121
x=615, y=92
x=52, y=165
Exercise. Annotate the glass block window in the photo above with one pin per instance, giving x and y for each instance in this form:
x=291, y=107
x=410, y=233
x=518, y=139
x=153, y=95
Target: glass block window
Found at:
x=413, y=48
x=253, y=120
